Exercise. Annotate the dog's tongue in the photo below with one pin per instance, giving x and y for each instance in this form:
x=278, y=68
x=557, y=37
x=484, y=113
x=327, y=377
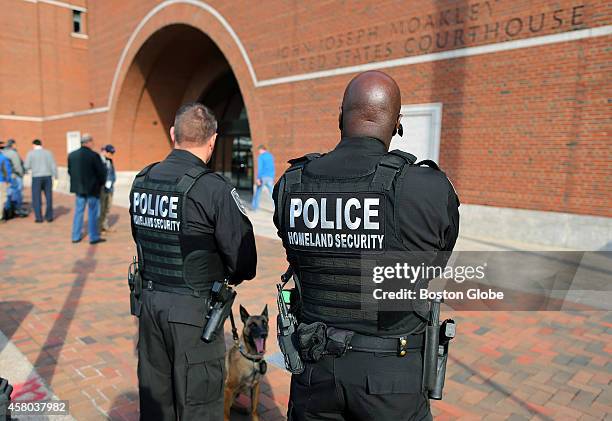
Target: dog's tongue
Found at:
x=260, y=345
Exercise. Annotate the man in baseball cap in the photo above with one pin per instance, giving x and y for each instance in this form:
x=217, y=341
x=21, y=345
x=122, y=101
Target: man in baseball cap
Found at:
x=106, y=195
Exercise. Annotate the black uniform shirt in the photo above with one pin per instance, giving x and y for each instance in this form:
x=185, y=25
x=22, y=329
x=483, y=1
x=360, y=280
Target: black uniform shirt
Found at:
x=429, y=215
x=212, y=205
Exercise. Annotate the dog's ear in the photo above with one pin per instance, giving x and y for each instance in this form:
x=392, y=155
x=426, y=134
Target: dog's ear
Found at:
x=265, y=311
x=244, y=314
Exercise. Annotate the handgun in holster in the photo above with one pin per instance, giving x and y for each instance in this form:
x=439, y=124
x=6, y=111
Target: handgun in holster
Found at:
x=437, y=339
x=286, y=324
x=221, y=299
x=135, y=284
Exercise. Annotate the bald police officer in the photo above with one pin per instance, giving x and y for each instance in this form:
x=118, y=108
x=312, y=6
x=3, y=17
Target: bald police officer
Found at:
x=190, y=230
x=354, y=202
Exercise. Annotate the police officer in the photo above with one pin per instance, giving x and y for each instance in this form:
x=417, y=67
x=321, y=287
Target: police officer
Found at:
x=190, y=230
x=332, y=211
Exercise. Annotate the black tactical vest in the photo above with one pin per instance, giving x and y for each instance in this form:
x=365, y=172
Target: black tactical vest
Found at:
x=330, y=226
x=166, y=254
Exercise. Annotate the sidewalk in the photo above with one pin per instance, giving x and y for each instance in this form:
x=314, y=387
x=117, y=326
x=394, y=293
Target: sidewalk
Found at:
x=65, y=308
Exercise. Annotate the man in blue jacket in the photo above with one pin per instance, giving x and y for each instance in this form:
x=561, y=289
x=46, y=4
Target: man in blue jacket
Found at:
x=265, y=175
x=5, y=179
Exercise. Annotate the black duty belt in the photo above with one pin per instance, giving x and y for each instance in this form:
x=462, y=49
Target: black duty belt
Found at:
x=399, y=345
x=174, y=289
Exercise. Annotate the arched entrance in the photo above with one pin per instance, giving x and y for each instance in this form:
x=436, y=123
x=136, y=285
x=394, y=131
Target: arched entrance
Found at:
x=177, y=64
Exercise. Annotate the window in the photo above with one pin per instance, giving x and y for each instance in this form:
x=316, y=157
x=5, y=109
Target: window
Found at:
x=422, y=124
x=77, y=23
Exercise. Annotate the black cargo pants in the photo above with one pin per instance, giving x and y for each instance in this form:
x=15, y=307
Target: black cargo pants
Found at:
x=180, y=377
x=360, y=386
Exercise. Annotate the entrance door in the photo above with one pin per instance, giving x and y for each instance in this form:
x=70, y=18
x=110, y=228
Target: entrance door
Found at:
x=233, y=156
x=421, y=125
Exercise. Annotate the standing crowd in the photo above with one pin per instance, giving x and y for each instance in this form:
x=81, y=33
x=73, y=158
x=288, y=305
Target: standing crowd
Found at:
x=92, y=180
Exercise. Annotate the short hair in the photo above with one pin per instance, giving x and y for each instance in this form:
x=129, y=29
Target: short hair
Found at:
x=86, y=138
x=194, y=123
x=262, y=147
x=37, y=142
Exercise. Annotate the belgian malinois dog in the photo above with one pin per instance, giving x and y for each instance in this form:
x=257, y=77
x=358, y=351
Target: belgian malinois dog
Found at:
x=244, y=363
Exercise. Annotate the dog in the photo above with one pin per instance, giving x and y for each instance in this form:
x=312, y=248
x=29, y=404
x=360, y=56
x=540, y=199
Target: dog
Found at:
x=244, y=363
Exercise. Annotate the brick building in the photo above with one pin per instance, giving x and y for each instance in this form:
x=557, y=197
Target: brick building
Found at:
x=512, y=97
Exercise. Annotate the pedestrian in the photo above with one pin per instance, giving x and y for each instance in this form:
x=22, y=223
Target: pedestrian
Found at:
x=41, y=163
x=87, y=176
x=265, y=175
x=106, y=193
x=190, y=229
x=5, y=180
x=337, y=212
x=15, y=195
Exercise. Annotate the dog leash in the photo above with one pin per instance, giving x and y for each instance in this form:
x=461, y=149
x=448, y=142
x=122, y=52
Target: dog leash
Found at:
x=234, y=329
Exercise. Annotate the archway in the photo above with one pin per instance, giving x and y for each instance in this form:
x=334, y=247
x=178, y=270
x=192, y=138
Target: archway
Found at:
x=177, y=64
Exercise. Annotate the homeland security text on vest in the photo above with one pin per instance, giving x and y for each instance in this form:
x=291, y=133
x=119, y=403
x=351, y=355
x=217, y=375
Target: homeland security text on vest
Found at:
x=355, y=221
x=156, y=211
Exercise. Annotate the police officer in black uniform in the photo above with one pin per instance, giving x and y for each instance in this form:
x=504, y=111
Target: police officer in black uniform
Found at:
x=190, y=230
x=332, y=211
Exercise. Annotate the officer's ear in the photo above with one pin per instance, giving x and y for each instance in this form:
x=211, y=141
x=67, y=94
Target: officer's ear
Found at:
x=172, y=135
x=398, y=127
x=265, y=312
x=244, y=314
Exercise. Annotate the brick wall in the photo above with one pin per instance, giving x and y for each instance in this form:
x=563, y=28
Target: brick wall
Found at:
x=526, y=128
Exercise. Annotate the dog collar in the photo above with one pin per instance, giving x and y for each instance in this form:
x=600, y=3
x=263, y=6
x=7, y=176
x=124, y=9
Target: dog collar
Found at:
x=262, y=365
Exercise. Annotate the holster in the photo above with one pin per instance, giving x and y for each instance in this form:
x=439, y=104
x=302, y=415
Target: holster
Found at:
x=135, y=284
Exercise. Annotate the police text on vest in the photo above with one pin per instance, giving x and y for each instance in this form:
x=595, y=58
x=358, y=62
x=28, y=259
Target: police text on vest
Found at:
x=341, y=221
x=156, y=211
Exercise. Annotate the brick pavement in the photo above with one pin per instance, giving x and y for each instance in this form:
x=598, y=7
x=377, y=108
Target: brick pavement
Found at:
x=65, y=307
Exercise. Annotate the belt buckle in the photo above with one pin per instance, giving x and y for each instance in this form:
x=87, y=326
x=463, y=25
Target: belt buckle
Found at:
x=402, y=346
x=150, y=285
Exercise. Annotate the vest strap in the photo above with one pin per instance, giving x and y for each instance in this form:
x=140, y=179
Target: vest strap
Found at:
x=291, y=178
x=189, y=179
x=389, y=167
x=429, y=163
x=145, y=170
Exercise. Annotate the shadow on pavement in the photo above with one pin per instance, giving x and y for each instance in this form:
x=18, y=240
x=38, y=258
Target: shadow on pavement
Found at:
x=124, y=407
x=509, y=394
x=60, y=211
x=46, y=361
x=14, y=313
x=113, y=219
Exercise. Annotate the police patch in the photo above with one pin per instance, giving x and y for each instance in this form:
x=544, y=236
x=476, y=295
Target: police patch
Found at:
x=156, y=210
x=335, y=222
x=239, y=202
